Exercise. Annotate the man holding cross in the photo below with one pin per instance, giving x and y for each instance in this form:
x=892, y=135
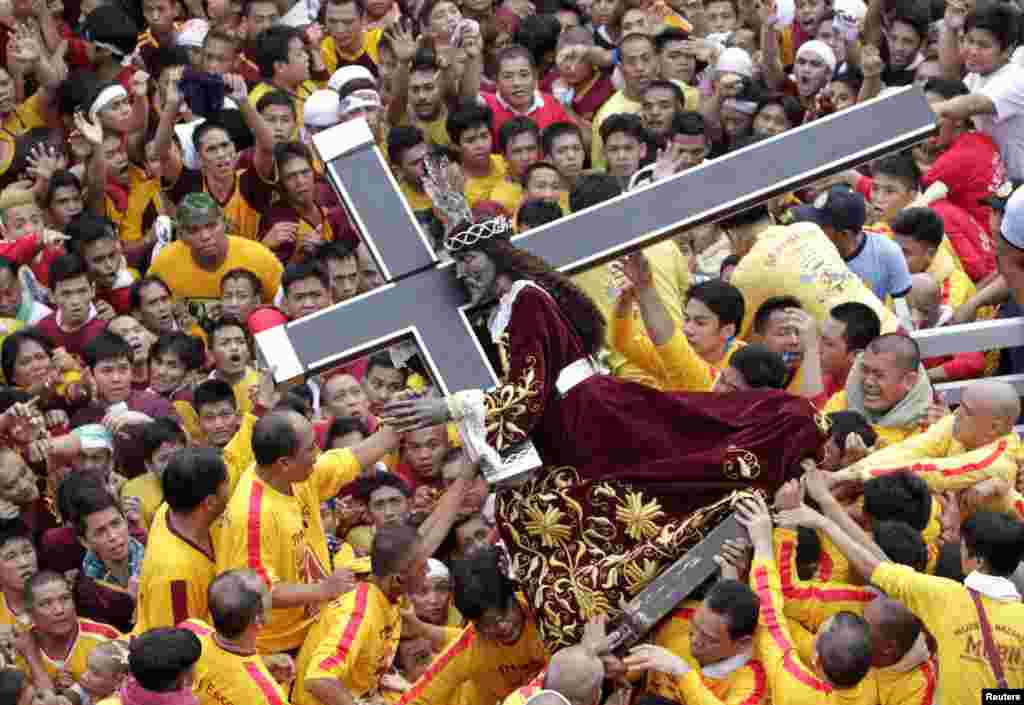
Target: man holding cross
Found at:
x=644, y=471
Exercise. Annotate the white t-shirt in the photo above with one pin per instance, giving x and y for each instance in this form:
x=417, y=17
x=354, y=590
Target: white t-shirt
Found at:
x=1005, y=88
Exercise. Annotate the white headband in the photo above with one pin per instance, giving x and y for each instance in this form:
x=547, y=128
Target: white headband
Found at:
x=437, y=569
x=364, y=99
x=107, y=96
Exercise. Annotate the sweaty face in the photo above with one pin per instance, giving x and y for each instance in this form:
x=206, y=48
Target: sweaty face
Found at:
x=113, y=379
x=345, y=24
x=53, y=608
x=478, y=274
x=299, y=181
x=17, y=482
x=344, y=275
x=639, y=66
x=217, y=153
x=918, y=254
x=809, y=14
x=281, y=121
x=387, y=506
x=835, y=355
x=65, y=205
x=306, y=296
x=424, y=450
x=430, y=599
x=982, y=52
x=166, y=372
x=516, y=81
x=425, y=95
x=103, y=261
x=676, y=63
x=659, y=107
x=567, y=155
x=812, y=73
x=889, y=196
x=771, y=120
x=218, y=421
x=975, y=425
x=238, y=299
x=31, y=364
x=471, y=536
x=544, y=184
x=623, y=153
x=702, y=328
x=885, y=382
x=692, y=148
x=709, y=637
x=720, y=17
x=106, y=533
x=156, y=308
x=381, y=385
x=345, y=398
x=782, y=337
x=20, y=221
x=219, y=57
x=521, y=151
x=904, y=42
x=475, y=145
x=261, y=16
x=230, y=350
x=18, y=563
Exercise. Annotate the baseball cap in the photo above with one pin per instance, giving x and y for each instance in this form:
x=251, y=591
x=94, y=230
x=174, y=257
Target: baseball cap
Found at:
x=840, y=208
x=1013, y=220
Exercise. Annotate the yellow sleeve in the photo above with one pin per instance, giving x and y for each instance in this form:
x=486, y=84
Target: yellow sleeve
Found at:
x=1011, y=503
x=30, y=112
x=813, y=603
x=238, y=455
x=337, y=656
x=597, y=162
x=189, y=420
x=959, y=471
x=452, y=668
x=746, y=688
x=915, y=688
x=685, y=369
x=930, y=444
x=789, y=680
x=269, y=271
x=636, y=346
x=929, y=597
x=836, y=402
x=670, y=274
x=333, y=470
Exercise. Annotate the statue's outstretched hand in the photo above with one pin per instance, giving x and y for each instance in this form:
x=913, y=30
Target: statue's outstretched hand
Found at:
x=407, y=415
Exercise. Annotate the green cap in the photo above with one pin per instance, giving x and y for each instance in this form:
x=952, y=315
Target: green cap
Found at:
x=198, y=208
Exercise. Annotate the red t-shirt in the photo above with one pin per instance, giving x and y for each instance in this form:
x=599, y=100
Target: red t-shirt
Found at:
x=75, y=342
x=973, y=170
x=548, y=112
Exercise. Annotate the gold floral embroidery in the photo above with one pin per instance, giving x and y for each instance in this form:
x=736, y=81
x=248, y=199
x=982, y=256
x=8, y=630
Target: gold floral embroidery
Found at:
x=577, y=548
x=639, y=517
x=508, y=405
x=740, y=464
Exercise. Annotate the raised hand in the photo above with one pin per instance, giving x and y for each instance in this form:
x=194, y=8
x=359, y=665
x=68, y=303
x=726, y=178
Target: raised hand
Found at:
x=339, y=582
x=871, y=64
x=789, y=496
x=595, y=637
x=637, y=269
x=648, y=657
x=734, y=559
x=282, y=233
x=140, y=84
x=403, y=44
x=104, y=311
x=801, y=516
x=411, y=414
x=91, y=131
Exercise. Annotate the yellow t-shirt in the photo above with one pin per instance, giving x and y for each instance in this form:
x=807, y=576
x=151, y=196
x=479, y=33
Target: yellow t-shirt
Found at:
x=201, y=288
x=9, y=619
x=175, y=576
x=493, y=670
x=369, y=52
x=26, y=116
x=618, y=103
x=799, y=260
x=417, y=200
x=481, y=188
x=281, y=538
x=143, y=206
x=887, y=435
x=151, y=495
x=223, y=676
x=299, y=95
x=90, y=635
x=353, y=642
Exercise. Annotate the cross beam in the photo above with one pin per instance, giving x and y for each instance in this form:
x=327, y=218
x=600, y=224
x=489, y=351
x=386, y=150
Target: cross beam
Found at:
x=421, y=299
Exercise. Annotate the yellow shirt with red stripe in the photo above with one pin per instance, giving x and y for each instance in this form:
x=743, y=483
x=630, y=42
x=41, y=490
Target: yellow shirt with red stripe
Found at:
x=745, y=685
x=676, y=365
x=887, y=435
x=942, y=461
x=142, y=209
x=238, y=455
x=176, y=574
x=281, y=538
x=790, y=680
x=494, y=670
x=354, y=642
x=225, y=676
x=521, y=695
x=947, y=611
x=147, y=489
x=90, y=635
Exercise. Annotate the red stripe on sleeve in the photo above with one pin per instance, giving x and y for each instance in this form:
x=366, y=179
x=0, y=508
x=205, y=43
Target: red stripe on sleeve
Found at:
x=825, y=566
x=931, y=682
x=684, y=614
x=351, y=629
x=953, y=472
x=179, y=601
x=195, y=628
x=265, y=684
x=770, y=619
x=98, y=629
x=760, y=683
x=786, y=549
x=254, y=528
x=460, y=645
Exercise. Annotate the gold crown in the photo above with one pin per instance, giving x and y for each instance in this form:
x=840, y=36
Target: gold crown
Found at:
x=484, y=230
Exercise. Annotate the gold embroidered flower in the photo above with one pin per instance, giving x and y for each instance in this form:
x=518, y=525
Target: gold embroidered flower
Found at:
x=591, y=603
x=547, y=525
x=638, y=517
x=638, y=574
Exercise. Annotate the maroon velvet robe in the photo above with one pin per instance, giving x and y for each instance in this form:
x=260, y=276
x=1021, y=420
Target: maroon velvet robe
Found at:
x=632, y=478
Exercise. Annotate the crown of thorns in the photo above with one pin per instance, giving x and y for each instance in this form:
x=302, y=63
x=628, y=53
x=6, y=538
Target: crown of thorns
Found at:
x=484, y=230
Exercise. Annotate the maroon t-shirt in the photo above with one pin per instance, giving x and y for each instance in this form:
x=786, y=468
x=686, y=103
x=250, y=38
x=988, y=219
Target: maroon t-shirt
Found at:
x=75, y=342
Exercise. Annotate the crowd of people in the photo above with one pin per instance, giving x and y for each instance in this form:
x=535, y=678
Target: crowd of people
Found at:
x=178, y=529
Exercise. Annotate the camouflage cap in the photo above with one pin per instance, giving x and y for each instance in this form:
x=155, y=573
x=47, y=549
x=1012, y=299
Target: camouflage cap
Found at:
x=198, y=208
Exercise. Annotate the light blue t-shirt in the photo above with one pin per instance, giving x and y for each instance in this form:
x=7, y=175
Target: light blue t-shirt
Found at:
x=880, y=263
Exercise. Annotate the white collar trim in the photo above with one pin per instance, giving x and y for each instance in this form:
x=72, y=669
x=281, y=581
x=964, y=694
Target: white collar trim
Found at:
x=726, y=667
x=993, y=586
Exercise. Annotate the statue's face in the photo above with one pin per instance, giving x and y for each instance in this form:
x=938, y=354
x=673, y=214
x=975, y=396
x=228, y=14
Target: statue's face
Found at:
x=478, y=275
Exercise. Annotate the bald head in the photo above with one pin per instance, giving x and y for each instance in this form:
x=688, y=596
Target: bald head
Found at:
x=236, y=598
x=894, y=628
x=575, y=673
x=547, y=697
x=843, y=648
x=993, y=398
x=903, y=350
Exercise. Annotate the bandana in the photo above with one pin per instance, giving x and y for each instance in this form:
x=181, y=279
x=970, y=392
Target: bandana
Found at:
x=134, y=694
x=322, y=109
x=820, y=49
x=107, y=96
x=349, y=73
x=437, y=569
x=197, y=208
x=95, y=436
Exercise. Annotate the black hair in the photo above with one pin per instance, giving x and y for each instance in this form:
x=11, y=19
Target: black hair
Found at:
x=135, y=294
x=158, y=432
x=555, y=130
x=689, y=122
x=337, y=250
x=861, y=321
x=271, y=48
x=300, y=271
x=234, y=604
x=468, y=116
x=212, y=391
x=921, y=224
x=480, y=584
x=60, y=179
x=760, y=367
x=187, y=348
x=592, y=189
x=632, y=125
x=365, y=486
x=342, y=427
x=64, y=268
x=273, y=438
x=43, y=577
x=14, y=530
x=672, y=88
x=1002, y=19
x=86, y=228
x=899, y=496
x=392, y=547
x=737, y=603
x=382, y=359
x=12, y=684
x=206, y=127
x=92, y=499
x=844, y=649
x=519, y=125
x=768, y=307
x=226, y=322
x=10, y=265
x=846, y=422
x=996, y=538
x=277, y=97
x=248, y=275
x=192, y=475
x=791, y=107
x=401, y=139
x=538, y=34
x=729, y=261
x=667, y=35
x=536, y=212
x=106, y=346
x=12, y=346
x=512, y=52
x=901, y=543
x=159, y=657
x=724, y=300
x=946, y=88
x=900, y=166
x=748, y=216
x=914, y=14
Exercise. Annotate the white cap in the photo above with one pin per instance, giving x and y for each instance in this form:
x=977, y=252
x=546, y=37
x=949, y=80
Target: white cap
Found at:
x=348, y=73
x=322, y=109
x=193, y=33
x=735, y=60
x=854, y=8
x=821, y=50
x=437, y=569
